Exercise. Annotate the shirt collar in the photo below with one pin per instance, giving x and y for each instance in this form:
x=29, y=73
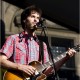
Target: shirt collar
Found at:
x=27, y=36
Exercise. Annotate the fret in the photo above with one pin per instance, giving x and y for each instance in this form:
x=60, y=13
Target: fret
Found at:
x=55, y=60
x=62, y=55
x=45, y=65
x=50, y=63
x=59, y=57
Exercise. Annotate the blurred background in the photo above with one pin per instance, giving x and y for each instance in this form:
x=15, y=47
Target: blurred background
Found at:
x=62, y=28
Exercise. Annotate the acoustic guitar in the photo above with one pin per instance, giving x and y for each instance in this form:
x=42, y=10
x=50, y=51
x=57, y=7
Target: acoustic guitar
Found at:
x=39, y=74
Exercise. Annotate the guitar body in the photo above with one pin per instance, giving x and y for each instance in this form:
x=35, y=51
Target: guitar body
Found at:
x=11, y=76
x=17, y=75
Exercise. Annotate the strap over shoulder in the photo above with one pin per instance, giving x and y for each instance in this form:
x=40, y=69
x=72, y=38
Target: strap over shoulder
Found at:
x=41, y=51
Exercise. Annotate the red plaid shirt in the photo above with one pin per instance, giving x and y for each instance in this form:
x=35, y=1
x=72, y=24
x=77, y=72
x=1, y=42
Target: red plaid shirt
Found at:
x=23, y=50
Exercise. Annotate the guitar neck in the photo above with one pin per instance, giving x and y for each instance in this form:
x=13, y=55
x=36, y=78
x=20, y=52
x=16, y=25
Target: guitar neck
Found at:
x=56, y=59
x=59, y=57
x=59, y=60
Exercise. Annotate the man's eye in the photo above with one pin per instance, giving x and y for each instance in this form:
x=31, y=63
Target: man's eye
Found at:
x=38, y=18
x=33, y=16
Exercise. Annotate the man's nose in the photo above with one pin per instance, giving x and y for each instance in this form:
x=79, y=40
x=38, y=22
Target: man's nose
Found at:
x=36, y=20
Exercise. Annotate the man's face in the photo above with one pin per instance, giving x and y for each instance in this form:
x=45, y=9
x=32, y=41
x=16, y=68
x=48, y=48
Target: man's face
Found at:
x=32, y=20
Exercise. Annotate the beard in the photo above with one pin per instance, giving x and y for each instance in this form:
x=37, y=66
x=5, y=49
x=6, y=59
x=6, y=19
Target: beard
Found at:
x=31, y=27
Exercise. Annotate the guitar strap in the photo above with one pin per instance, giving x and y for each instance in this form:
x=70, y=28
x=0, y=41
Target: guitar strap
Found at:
x=41, y=51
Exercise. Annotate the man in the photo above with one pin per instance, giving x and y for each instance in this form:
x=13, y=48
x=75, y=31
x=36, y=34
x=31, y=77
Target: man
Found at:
x=21, y=49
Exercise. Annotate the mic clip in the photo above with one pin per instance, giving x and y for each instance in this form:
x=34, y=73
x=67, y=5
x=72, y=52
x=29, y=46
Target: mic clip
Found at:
x=41, y=23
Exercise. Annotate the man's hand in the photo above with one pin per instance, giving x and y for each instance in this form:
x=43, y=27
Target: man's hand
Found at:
x=29, y=70
x=71, y=52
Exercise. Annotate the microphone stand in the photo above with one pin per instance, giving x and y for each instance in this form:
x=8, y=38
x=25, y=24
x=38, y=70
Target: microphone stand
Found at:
x=49, y=50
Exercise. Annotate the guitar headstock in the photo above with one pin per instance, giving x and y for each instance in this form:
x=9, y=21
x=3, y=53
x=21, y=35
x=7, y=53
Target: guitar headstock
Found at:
x=77, y=48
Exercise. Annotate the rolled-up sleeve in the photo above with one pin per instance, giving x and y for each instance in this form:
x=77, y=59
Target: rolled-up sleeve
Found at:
x=7, y=48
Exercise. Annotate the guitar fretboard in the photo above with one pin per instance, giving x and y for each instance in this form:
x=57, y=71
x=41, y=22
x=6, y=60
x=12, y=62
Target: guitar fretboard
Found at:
x=59, y=57
x=56, y=59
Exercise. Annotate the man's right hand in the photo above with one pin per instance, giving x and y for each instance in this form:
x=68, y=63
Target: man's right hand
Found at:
x=29, y=70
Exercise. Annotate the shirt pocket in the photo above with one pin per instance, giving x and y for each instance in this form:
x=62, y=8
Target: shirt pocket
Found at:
x=20, y=52
x=20, y=48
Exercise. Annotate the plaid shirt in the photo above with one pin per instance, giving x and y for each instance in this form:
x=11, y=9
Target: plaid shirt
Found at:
x=23, y=50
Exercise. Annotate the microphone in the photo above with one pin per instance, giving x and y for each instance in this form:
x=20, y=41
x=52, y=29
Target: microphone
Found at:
x=41, y=23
